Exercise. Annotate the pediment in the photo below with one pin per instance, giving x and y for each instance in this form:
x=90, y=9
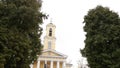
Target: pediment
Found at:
x=52, y=53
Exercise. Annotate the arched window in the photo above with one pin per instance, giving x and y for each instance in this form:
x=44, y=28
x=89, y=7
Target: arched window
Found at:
x=50, y=32
x=49, y=44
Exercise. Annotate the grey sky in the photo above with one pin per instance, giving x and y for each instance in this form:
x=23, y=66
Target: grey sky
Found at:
x=68, y=16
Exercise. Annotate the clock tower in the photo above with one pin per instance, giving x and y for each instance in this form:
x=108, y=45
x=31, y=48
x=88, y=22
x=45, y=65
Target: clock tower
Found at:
x=49, y=39
x=49, y=57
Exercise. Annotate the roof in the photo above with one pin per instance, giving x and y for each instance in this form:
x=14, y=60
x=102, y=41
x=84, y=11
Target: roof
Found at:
x=55, y=52
x=51, y=24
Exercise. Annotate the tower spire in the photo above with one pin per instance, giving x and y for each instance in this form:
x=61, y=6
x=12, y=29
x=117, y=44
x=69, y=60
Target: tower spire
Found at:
x=50, y=20
x=49, y=39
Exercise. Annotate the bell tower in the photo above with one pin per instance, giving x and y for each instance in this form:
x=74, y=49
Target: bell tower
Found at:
x=49, y=39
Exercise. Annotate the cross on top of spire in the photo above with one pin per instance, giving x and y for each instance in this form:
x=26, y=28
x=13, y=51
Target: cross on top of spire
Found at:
x=51, y=20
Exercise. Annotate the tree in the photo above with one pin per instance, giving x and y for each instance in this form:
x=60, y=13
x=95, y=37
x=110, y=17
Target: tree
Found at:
x=102, y=44
x=20, y=32
x=82, y=63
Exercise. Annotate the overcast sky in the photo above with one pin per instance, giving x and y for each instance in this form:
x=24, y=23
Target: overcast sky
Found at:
x=68, y=16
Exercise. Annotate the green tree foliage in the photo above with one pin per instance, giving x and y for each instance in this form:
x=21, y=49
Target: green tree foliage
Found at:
x=102, y=44
x=20, y=32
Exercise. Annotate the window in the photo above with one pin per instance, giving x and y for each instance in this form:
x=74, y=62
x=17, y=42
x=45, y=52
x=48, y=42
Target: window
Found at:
x=50, y=32
x=49, y=44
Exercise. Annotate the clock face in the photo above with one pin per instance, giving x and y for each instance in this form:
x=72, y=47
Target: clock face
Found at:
x=49, y=44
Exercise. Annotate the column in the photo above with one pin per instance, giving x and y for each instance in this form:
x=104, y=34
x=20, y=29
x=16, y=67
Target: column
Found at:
x=38, y=64
x=58, y=65
x=31, y=65
x=51, y=64
x=64, y=65
x=45, y=65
